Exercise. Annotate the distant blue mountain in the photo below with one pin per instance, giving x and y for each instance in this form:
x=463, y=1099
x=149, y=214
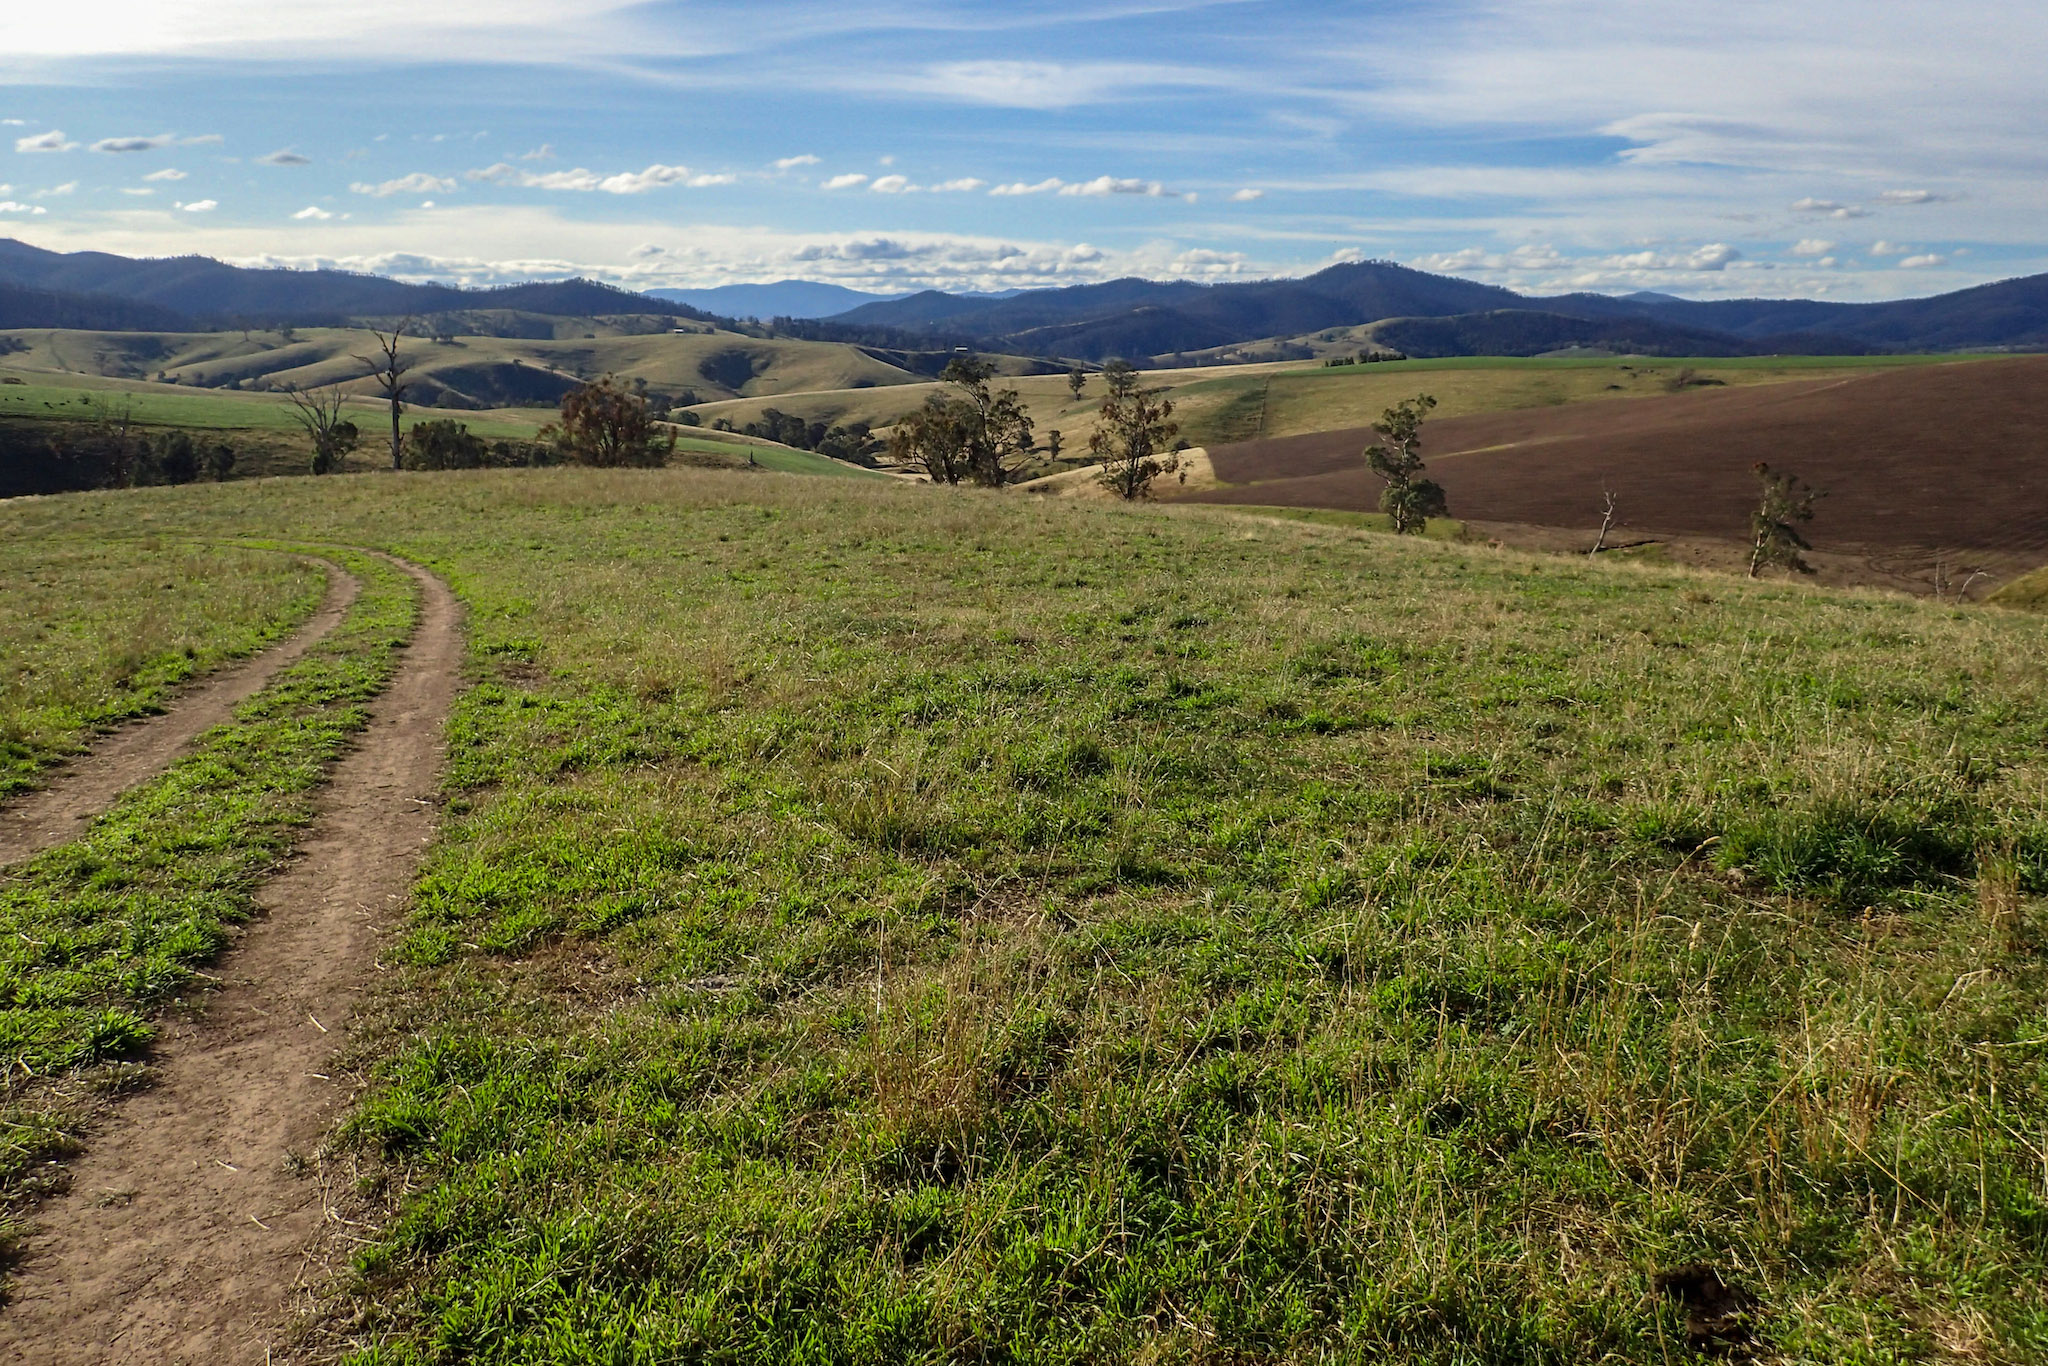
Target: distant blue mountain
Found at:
x=783, y=299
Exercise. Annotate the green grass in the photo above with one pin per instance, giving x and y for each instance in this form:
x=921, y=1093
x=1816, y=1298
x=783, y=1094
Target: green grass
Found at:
x=84, y=399
x=888, y=924
x=95, y=634
x=99, y=934
x=1436, y=529
x=2029, y=592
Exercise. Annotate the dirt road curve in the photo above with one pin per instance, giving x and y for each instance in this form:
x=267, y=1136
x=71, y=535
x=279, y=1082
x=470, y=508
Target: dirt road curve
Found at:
x=137, y=752
x=189, y=1219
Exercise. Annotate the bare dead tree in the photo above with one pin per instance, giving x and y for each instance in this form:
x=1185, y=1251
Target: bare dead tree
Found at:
x=1606, y=521
x=388, y=368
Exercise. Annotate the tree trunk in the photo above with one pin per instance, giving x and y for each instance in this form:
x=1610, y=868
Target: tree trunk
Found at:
x=396, y=463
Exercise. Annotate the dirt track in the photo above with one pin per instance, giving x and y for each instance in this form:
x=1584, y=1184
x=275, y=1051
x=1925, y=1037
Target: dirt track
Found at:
x=1937, y=456
x=190, y=1218
x=137, y=752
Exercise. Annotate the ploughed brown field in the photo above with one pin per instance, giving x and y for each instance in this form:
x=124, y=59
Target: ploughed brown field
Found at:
x=1943, y=455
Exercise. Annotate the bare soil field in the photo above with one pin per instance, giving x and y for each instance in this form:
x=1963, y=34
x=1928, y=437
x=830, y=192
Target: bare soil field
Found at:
x=1944, y=457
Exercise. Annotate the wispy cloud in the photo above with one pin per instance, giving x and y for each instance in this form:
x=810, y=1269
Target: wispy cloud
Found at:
x=792, y=163
x=201, y=206
x=846, y=182
x=133, y=144
x=1923, y=262
x=52, y=141
x=167, y=173
x=11, y=206
x=417, y=183
x=284, y=156
x=1247, y=196
x=1904, y=197
x=312, y=213
x=586, y=181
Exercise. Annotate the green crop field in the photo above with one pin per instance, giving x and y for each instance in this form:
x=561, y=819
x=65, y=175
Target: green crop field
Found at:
x=888, y=924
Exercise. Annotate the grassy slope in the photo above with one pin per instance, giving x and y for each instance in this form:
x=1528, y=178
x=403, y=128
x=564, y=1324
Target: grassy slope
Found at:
x=2030, y=592
x=327, y=355
x=270, y=416
x=883, y=924
x=94, y=634
x=1241, y=402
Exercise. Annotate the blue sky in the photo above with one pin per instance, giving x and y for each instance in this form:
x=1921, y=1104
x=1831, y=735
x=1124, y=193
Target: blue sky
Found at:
x=1841, y=148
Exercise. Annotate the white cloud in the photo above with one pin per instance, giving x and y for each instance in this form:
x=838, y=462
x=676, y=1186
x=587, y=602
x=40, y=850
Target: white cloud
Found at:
x=312, y=213
x=791, y=163
x=1035, y=84
x=1247, y=196
x=893, y=184
x=417, y=183
x=1884, y=248
x=139, y=191
x=1830, y=208
x=582, y=180
x=1922, y=262
x=52, y=141
x=132, y=144
x=1812, y=246
x=964, y=185
x=847, y=181
x=9, y=206
x=284, y=156
x=1107, y=185
x=1912, y=197
x=544, y=152
x=203, y=140
x=1046, y=186
x=167, y=173
x=68, y=187
x=201, y=206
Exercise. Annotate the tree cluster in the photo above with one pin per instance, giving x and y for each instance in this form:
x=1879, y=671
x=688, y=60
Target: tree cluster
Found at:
x=977, y=433
x=854, y=442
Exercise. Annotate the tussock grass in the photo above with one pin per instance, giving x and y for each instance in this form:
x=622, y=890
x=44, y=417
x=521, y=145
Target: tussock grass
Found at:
x=92, y=633
x=883, y=924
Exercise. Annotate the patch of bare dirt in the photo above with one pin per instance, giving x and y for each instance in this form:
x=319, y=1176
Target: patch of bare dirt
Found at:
x=193, y=1215
x=137, y=752
x=1917, y=462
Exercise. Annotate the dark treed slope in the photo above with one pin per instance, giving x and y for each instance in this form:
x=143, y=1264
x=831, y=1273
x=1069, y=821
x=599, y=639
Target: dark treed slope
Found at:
x=210, y=290
x=1138, y=317
x=24, y=307
x=1528, y=332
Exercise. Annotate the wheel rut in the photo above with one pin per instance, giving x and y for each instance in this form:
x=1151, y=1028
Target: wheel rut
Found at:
x=137, y=752
x=190, y=1220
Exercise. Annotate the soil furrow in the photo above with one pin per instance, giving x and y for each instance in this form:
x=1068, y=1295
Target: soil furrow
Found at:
x=139, y=751
x=190, y=1219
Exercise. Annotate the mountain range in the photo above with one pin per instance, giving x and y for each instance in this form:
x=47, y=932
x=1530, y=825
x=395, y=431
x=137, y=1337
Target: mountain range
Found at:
x=1409, y=310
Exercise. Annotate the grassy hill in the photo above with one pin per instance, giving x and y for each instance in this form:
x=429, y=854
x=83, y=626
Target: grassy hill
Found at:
x=885, y=923
x=1244, y=402
x=470, y=370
